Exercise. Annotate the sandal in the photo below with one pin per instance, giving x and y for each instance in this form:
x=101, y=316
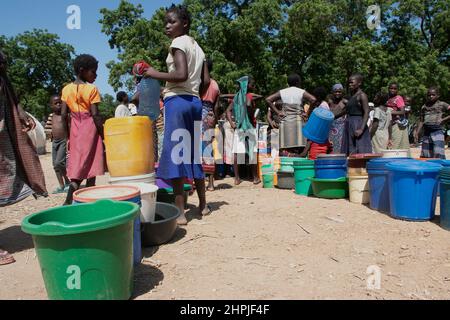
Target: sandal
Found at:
x=6, y=258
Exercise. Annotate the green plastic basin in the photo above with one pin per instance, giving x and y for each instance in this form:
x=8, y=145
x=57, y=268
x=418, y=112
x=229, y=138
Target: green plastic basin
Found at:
x=330, y=188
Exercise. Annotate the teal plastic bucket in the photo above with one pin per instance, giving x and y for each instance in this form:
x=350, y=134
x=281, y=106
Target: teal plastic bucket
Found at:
x=85, y=251
x=303, y=171
x=268, y=181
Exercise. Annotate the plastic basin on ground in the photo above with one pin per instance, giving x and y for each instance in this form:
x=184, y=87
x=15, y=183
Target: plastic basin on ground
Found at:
x=412, y=189
x=85, y=251
x=163, y=229
x=330, y=188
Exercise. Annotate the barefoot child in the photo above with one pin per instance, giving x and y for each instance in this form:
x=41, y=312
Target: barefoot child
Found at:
x=59, y=145
x=81, y=99
x=433, y=121
x=381, y=128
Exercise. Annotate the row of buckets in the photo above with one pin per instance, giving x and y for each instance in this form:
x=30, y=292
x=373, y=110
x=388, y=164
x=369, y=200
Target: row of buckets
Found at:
x=88, y=251
x=404, y=188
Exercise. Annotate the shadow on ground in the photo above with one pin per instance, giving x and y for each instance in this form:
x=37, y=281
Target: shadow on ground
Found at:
x=14, y=240
x=146, y=278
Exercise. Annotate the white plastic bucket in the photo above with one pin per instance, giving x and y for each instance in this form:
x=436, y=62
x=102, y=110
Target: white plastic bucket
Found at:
x=395, y=153
x=148, y=200
x=359, y=189
x=148, y=178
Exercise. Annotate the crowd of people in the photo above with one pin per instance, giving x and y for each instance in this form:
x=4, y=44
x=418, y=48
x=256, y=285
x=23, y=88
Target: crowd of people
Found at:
x=191, y=96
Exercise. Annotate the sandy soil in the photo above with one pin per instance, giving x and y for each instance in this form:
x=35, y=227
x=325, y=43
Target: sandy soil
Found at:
x=263, y=244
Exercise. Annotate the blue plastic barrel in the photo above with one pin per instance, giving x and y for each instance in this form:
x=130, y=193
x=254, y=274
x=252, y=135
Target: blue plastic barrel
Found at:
x=378, y=183
x=412, y=189
x=318, y=127
x=444, y=163
x=118, y=193
x=330, y=169
x=445, y=197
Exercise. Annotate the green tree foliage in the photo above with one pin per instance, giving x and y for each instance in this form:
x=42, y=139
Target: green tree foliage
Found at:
x=324, y=41
x=39, y=66
x=107, y=107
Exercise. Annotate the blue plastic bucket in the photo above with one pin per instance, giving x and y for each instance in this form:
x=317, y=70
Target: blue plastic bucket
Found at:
x=412, y=189
x=118, y=193
x=445, y=198
x=378, y=184
x=318, y=127
x=330, y=169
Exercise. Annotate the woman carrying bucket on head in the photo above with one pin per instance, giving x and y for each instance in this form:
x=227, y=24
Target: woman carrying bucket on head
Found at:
x=187, y=77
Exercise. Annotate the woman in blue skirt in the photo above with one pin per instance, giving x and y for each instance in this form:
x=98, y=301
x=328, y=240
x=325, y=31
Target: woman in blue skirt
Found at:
x=188, y=75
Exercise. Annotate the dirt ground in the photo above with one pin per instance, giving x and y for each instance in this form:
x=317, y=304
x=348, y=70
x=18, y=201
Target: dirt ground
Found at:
x=263, y=244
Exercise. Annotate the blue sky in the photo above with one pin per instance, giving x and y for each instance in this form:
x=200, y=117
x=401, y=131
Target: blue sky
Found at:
x=22, y=15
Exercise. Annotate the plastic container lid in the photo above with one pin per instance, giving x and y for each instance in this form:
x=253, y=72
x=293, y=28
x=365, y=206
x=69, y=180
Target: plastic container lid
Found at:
x=150, y=176
x=303, y=163
x=118, y=193
x=331, y=156
x=380, y=164
x=413, y=166
x=366, y=156
x=343, y=179
x=445, y=163
x=146, y=188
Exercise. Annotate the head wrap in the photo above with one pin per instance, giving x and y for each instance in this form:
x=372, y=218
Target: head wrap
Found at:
x=140, y=68
x=338, y=86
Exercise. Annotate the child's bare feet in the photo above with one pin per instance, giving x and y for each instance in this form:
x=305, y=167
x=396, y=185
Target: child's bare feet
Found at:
x=256, y=181
x=182, y=221
x=211, y=188
x=237, y=182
